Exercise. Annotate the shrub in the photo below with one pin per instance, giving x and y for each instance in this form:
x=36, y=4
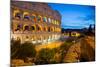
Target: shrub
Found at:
x=45, y=56
x=22, y=51
x=15, y=46
x=26, y=50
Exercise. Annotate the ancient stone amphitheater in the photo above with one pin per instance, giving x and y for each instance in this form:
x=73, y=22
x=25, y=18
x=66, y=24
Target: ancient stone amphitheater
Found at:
x=34, y=22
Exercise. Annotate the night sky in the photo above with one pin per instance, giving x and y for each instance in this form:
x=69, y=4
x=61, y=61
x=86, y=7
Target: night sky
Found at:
x=75, y=16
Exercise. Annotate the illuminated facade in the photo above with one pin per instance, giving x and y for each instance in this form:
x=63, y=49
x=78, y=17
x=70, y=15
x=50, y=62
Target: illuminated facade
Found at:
x=34, y=22
x=72, y=34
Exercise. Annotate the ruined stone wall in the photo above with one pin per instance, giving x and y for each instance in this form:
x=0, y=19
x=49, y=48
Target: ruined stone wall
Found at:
x=35, y=22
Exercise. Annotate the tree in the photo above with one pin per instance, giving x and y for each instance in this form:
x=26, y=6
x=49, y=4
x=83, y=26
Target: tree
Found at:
x=15, y=46
x=26, y=50
x=45, y=56
x=22, y=51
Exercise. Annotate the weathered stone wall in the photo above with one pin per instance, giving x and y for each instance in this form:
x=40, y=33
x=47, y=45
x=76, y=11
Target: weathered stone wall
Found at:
x=35, y=22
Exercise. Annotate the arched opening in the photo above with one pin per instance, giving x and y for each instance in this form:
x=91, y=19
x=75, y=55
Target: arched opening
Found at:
x=49, y=38
x=17, y=14
x=39, y=28
x=52, y=29
x=45, y=28
x=18, y=39
x=52, y=36
x=27, y=38
x=26, y=28
x=26, y=16
x=49, y=20
x=33, y=17
x=52, y=21
x=33, y=28
x=33, y=38
x=55, y=22
x=49, y=29
x=18, y=27
x=58, y=29
x=44, y=19
x=39, y=18
x=39, y=39
x=59, y=22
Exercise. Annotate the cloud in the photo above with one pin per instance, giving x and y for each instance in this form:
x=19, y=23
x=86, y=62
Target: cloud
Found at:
x=79, y=22
x=87, y=17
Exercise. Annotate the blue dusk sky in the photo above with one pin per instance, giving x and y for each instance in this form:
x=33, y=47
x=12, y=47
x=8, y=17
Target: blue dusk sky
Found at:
x=75, y=16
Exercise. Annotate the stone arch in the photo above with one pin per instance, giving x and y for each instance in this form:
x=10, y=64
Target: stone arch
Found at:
x=53, y=36
x=49, y=20
x=33, y=37
x=45, y=28
x=57, y=22
x=27, y=38
x=45, y=19
x=26, y=27
x=39, y=39
x=26, y=15
x=33, y=17
x=39, y=27
x=39, y=18
x=17, y=14
x=33, y=27
x=49, y=37
x=58, y=29
x=55, y=29
x=18, y=38
x=53, y=21
x=52, y=29
x=18, y=27
x=49, y=30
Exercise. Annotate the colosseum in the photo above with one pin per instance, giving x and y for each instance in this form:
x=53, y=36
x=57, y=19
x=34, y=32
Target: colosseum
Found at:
x=35, y=22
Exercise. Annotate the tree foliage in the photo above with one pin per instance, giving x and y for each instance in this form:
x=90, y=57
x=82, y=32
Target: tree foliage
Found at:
x=45, y=56
x=22, y=51
x=26, y=50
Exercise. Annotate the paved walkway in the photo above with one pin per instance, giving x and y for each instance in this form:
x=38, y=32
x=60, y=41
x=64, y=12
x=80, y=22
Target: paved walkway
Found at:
x=50, y=45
